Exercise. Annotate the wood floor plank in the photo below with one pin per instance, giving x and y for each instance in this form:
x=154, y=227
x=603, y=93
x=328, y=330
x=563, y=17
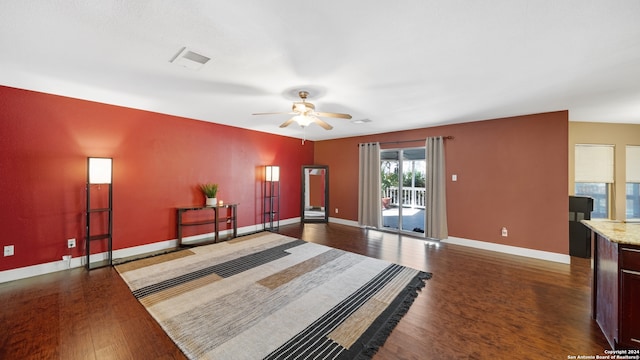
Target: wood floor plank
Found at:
x=478, y=305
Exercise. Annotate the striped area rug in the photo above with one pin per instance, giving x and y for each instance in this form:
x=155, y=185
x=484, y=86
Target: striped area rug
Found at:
x=269, y=296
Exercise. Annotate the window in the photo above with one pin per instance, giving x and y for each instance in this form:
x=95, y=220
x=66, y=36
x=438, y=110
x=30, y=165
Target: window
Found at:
x=633, y=182
x=600, y=194
x=594, y=176
x=633, y=201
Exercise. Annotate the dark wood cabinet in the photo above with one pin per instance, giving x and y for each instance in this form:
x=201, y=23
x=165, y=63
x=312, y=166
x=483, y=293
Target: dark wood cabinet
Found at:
x=629, y=297
x=616, y=291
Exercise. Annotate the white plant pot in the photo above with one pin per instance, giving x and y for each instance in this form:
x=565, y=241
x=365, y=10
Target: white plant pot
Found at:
x=212, y=201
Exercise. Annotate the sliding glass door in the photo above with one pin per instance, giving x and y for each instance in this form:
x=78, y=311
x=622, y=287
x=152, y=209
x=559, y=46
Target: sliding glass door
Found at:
x=403, y=174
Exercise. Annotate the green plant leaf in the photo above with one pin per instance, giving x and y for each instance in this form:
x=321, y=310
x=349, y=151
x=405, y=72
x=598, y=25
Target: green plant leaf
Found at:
x=209, y=189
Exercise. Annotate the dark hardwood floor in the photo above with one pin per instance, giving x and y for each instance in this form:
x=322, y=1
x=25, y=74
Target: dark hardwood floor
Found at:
x=478, y=305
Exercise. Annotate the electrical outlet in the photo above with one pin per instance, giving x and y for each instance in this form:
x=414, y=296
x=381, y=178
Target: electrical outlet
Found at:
x=71, y=243
x=336, y=210
x=505, y=233
x=8, y=250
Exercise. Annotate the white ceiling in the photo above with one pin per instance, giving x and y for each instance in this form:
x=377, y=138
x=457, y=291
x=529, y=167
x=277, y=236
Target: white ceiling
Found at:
x=403, y=64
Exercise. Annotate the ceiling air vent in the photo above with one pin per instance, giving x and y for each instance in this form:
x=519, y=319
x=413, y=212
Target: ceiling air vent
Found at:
x=190, y=59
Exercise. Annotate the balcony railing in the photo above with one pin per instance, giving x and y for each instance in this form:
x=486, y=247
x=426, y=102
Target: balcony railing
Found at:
x=410, y=196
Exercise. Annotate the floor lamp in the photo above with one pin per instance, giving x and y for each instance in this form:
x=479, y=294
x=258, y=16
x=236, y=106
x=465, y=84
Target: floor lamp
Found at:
x=99, y=207
x=272, y=197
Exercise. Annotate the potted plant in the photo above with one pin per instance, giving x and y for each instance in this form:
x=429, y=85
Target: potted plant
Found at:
x=210, y=190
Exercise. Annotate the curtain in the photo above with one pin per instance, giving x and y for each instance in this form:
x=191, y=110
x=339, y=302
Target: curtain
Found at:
x=369, y=197
x=436, y=202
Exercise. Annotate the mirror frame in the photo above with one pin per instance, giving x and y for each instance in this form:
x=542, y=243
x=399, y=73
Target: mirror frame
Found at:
x=303, y=190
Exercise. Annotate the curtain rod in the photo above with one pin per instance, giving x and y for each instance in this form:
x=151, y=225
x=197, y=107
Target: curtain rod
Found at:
x=409, y=141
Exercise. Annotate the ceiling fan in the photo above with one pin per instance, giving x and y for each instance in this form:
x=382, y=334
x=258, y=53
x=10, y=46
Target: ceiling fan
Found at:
x=305, y=113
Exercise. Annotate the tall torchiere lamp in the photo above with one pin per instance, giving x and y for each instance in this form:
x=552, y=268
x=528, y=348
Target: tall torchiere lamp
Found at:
x=99, y=215
x=271, y=219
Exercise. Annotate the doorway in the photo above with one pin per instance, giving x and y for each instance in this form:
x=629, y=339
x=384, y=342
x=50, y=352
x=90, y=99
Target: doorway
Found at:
x=403, y=182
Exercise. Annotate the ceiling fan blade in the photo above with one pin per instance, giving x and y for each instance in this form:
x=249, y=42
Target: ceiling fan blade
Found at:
x=274, y=113
x=287, y=123
x=332, y=115
x=322, y=123
x=305, y=113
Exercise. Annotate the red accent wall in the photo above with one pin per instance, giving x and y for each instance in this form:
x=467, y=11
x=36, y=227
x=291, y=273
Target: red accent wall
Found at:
x=159, y=160
x=512, y=172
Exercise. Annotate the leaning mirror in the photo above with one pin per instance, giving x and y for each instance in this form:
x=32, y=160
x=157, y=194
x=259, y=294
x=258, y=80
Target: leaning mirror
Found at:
x=315, y=193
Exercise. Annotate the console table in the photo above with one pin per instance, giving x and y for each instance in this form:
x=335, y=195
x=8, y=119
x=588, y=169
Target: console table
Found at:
x=215, y=215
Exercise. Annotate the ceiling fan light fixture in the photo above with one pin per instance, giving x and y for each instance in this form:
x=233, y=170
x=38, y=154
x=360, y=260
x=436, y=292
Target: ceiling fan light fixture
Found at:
x=303, y=120
x=303, y=107
x=305, y=113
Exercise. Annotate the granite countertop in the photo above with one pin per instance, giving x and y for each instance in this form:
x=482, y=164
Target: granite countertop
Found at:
x=616, y=231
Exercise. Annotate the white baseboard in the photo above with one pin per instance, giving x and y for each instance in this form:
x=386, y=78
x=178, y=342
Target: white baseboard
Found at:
x=513, y=250
x=295, y=220
x=507, y=249
x=55, y=266
x=143, y=249
x=45, y=268
x=40, y=269
x=343, y=222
